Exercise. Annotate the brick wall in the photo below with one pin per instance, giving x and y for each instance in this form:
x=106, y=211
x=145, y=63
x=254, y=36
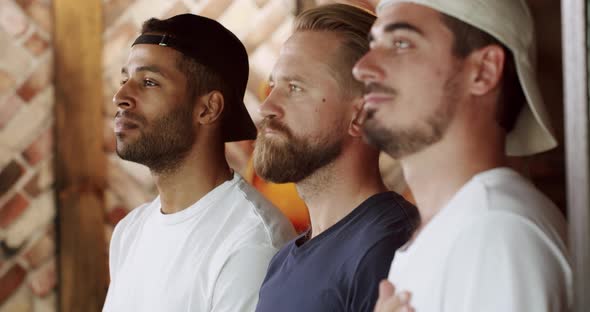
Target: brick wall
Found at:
x=27, y=209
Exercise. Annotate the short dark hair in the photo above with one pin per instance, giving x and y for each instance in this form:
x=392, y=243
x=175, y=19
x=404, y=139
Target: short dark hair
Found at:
x=201, y=79
x=353, y=24
x=468, y=38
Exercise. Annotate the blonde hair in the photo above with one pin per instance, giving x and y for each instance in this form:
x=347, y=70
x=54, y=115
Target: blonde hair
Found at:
x=353, y=24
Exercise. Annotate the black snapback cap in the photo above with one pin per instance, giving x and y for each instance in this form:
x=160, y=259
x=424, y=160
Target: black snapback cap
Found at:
x=215, y=47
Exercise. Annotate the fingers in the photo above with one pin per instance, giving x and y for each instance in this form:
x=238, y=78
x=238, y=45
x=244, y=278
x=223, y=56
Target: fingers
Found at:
x=386, y=291
x=389, y=301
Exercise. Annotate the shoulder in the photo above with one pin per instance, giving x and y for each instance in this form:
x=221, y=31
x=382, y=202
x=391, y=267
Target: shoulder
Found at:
x=392, y=207
x=505, y=189
x=256, y=218
x=387, y=217
x=501, y=208
x=506, y=195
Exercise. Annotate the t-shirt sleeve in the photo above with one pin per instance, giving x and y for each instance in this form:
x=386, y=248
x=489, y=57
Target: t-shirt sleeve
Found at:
x=239, y=281
x=373, y=268
x=505, y=263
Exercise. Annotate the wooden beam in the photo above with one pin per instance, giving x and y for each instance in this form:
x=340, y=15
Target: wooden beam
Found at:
x=575, y=56
x=80, y=159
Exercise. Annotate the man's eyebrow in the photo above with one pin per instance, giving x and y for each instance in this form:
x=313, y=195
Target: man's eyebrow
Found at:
x=397, y=26
x=402, y=25
x=148, y=68
x=288, y=78
x=292, y=78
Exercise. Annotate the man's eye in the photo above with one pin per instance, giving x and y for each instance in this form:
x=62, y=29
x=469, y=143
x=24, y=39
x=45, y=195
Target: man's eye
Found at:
x=401, y=44
x=294, y=88
x=123, y=81
x=149, y=83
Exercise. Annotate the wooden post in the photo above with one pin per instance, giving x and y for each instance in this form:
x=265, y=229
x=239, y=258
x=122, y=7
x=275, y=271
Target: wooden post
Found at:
x=575, y=72
x=80, y=159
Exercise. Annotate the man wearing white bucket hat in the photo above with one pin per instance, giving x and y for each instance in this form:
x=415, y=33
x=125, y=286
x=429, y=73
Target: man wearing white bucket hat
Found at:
x=450, y=90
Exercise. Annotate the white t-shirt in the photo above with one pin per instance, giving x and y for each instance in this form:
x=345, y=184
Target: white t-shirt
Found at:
x=498, y=245
x=211, y=256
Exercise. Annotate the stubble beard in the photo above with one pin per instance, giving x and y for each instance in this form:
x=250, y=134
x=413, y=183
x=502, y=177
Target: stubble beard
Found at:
x=400, y=142
x=164, y=144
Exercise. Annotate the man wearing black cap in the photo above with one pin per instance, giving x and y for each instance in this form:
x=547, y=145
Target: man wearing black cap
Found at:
x=205, y=242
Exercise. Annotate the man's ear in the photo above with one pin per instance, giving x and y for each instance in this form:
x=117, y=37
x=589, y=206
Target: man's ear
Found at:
x=355, y=126
x=487, y=66
x=210, y=107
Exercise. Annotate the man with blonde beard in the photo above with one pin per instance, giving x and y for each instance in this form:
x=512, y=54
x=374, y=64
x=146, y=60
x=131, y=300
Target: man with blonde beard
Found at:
x=309, y=136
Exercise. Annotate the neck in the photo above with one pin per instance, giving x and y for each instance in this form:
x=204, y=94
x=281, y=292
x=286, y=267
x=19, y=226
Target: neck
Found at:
x=335, y=190
x=438, y=172
x=201, y=171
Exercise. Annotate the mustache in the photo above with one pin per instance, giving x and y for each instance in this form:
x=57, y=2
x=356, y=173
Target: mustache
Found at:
x=379, y=88
x=273, y=124
x=131, y=116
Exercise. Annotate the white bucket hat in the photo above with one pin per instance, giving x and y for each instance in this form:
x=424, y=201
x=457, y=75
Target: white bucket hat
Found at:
x=510, y=22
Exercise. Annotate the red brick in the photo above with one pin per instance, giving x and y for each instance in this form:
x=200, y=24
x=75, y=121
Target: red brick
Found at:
x=32, y=187
x=36, y=44
x=9, y=175
x=40, y=148
x=44, y=279
x=42, y=250
x=12, y=210
x=40, y=79
x=10, y=282
x=115, y=215
x=41, y=181
x=24, y=3
x=9, y=108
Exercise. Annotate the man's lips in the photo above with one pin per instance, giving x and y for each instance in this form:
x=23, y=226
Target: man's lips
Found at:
x=123, y=124
x=271, y=127
x=271, y=131
x=373, y=100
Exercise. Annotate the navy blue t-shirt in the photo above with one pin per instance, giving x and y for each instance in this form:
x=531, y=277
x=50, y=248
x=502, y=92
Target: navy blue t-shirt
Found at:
x=340, y=269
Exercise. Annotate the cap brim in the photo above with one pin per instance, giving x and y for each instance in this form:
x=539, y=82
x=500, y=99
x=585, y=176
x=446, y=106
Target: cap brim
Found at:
x=532, y=132
x=239, y=125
